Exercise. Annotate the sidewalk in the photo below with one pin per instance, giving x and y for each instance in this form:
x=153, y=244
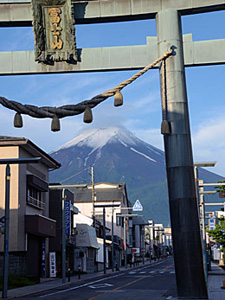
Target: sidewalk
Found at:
x=215, y=282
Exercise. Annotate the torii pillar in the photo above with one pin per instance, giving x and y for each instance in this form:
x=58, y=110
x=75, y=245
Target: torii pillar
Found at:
x=190, y=276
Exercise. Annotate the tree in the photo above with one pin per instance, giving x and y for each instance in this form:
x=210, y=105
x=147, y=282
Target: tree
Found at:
x=221, y=189
x=219, y=233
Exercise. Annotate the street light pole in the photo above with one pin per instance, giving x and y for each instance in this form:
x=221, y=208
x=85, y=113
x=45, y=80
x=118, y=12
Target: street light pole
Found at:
x=202, y=208
x=202, y=220
x=200, y=197
x=93, y=195
x=104, y=206
x=104, y=244
x=112, y=241
x=6, y=237
x=63, y=238
x=125, y=241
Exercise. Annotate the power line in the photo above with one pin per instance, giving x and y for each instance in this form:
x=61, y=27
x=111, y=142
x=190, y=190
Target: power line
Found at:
x=75, y=175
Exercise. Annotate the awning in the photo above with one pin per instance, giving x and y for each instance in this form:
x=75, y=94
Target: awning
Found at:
x=40, y=225
x=37, y=182
x=86, y=236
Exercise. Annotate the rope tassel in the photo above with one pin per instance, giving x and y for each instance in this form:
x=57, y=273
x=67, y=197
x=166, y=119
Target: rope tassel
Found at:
x=118, y=99
x=75, y=109
x=18, y=121
x=88, y=117
x=55, y=124
x=165, y=127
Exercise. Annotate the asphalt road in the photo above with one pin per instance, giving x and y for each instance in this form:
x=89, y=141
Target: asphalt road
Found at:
x=156, y=281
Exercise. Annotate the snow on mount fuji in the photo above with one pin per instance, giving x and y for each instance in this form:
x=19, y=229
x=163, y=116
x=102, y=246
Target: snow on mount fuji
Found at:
x=119, y=156
x=115, y=153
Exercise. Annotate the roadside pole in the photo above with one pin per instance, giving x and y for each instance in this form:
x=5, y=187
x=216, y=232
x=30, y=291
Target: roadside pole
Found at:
x=113, y=241
x=104, y=206
x=63, y=238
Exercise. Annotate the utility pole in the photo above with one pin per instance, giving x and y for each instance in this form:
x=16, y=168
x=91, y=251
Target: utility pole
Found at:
x=124, y=216
x=63, y=237
x=113, y=240
x=93, y=195
x=104, y=206
x=104, y=241
x=125, y=241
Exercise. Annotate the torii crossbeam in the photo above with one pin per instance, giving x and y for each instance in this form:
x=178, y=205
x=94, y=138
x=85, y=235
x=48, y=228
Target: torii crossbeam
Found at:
x=188, y=257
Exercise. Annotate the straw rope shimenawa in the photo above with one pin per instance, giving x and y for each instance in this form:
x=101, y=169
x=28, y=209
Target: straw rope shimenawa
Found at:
x=57, y=113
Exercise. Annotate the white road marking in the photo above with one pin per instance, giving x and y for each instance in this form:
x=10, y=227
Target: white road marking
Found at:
x=152, y=272
x=100, y=285
x=80, y=286
x=143, y=272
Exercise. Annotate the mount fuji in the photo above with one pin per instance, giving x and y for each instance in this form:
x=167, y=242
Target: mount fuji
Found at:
x=118, y=156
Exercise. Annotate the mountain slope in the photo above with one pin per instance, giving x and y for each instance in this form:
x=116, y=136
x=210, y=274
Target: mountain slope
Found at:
x=118, y=156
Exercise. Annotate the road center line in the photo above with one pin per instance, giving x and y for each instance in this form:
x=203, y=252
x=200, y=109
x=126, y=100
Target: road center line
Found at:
x=118, y=288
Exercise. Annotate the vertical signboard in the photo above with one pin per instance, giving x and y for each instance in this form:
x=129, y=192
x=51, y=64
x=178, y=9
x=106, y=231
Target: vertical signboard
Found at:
x=43, y=259
x=52, y=264
x=67, y=216
x=211, y=221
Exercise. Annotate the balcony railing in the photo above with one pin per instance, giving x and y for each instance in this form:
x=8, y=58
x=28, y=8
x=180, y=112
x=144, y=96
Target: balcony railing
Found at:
x=35, y=202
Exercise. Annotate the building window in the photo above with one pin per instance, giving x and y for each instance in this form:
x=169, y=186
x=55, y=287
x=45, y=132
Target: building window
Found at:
x=34, y=197
x=119, y=221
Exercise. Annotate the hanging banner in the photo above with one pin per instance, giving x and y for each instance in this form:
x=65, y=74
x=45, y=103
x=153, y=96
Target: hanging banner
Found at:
x=52, y=264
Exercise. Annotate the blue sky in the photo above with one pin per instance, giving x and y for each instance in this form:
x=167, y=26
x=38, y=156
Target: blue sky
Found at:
x=141, y=113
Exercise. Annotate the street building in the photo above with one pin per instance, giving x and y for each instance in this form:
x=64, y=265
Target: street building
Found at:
x=87, y=198
x=55, y=212
x=30, y=226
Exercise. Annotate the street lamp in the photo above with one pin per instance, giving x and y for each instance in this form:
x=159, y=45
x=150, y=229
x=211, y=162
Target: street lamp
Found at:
x=104, y=206
x=201, y=165
x=202, y=216
x=205, y=164
x=200, y=198
x=9, y=162
x=124, y=216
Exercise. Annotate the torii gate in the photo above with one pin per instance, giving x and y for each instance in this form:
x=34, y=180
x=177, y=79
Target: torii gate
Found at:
x=188, y=259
